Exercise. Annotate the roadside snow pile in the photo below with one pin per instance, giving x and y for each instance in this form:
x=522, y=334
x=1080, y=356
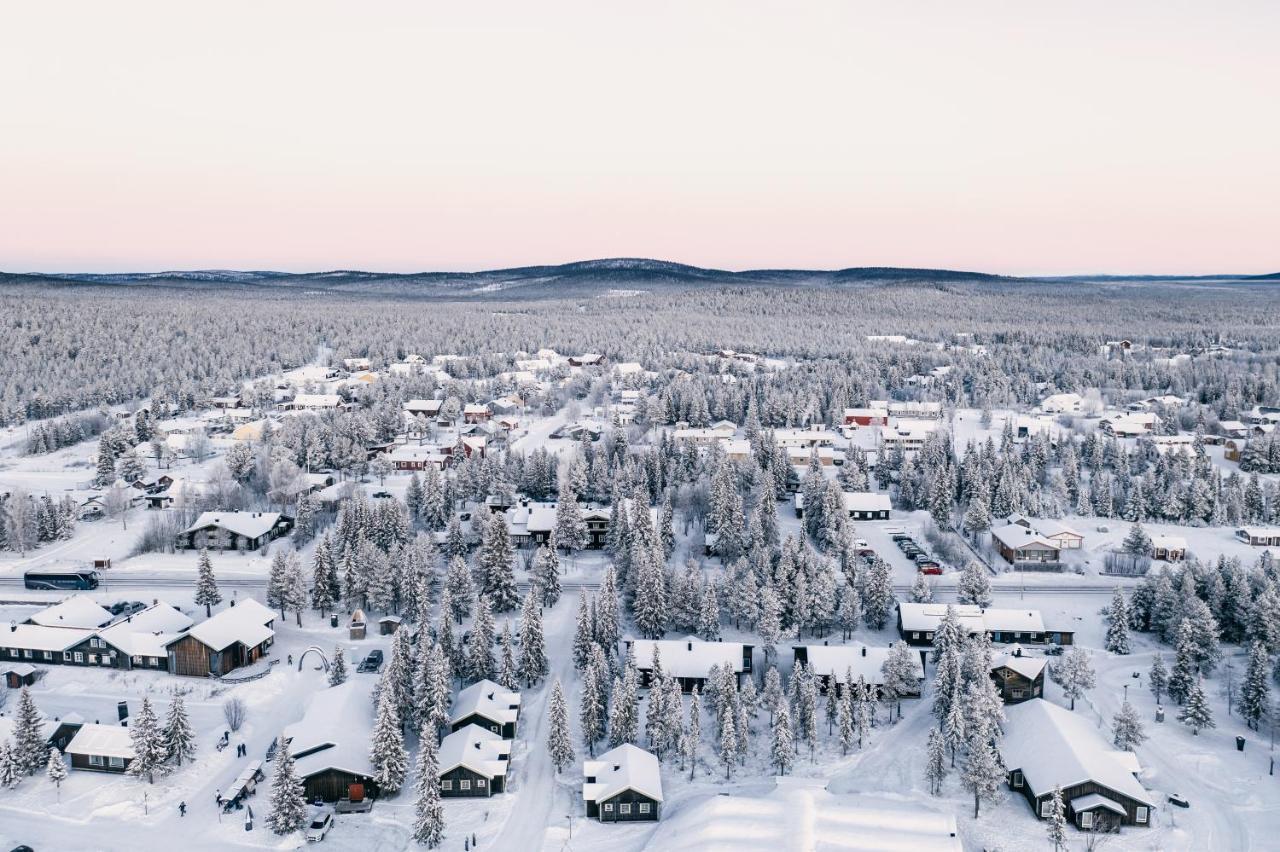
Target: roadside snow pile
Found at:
x=801, y=814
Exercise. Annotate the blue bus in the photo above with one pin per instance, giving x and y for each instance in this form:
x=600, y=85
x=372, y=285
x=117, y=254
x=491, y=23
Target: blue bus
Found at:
x=70, y=579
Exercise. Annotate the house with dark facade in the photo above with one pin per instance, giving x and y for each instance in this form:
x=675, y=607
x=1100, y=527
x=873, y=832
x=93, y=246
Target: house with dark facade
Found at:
x=1018, y=677
x=101, y=748
x=494, y=708
x=689, y=660
x=917, y=623
x=623, y=785
x=1025, y=549
x=238, y=636
x=139, y=640
x=473, y=763
x=330, y=744
x=1046, y=746
x=234, y=530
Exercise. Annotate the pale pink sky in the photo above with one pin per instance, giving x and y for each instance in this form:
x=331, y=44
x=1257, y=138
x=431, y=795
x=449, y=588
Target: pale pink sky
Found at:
x=1136, y=136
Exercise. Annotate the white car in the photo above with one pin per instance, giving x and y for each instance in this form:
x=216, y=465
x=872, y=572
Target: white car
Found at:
x=321, y=822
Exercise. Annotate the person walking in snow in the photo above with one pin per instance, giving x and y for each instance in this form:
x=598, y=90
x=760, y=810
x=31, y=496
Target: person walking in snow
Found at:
x=182, y=809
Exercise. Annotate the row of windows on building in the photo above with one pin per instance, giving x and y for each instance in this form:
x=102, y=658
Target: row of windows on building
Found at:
x=78, y=656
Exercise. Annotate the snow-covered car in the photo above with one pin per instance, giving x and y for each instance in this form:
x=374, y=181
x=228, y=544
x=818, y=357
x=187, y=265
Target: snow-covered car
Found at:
x=371, y=663
x=1178, y=801
x=320, y=824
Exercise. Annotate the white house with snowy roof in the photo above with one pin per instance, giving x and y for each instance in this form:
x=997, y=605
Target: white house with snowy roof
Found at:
x=234, y=530
x=857, y=660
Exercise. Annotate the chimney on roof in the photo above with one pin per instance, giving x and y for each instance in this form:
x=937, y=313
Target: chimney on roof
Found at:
x=689, y=646
x=864, y=650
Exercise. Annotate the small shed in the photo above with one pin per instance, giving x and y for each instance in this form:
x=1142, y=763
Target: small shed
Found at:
x=19, y=675
x=388, y=624
x=357, y=626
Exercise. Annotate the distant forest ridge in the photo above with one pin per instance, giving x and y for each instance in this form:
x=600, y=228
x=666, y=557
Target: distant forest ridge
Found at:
x=618, y=276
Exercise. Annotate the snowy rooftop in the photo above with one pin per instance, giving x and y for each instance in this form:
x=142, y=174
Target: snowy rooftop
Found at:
x=626, y=767
x=33, y=637
x=1028, y=667
x=688, y=657
x=1055, y=747
x=1018, y=536
x=800, y=814
x=476, y=749
x=487, y=699
x=866, y=501
x=928, y=616
x=106, y=740
x=334, y=732
x=75, y=611
x=146, y=633
x=1169, y=542
x=247, y=524
x=864, y=660
x=244, y=623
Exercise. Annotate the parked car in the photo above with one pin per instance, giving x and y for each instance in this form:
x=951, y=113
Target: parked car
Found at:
x=321, y=823
x=371, y=663
x=932, y=570
x=1178, y=801
x=381, y=495
x=1053, y=651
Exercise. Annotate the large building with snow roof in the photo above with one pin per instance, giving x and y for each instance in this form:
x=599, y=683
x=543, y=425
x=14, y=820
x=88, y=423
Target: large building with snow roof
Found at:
x=917, y=623
x=330, y=744
x=689, y=660
x=79, y=611
x=842, y=661
x=238, y=636
x=1046, y=746
x=234, y=530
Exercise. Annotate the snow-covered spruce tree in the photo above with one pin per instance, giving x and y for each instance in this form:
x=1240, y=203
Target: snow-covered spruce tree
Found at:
x=709, y=615
x=56, y=770
x=1118, y=624
x=460, y=588
x=583, y=633
x=338, y=668
x=591, y=708
x=546, y=574
x=624, y=715
x=1057, y=821
x=877, y=596
x=975, y=585
x=782, y=751
x=207, y=594
x=276, y=583
x=693, y=731
x=570, y=529
x=1158, y=677
x=508, y=672
x=1075, y=674
x=921, y=589
x=386, y=744
x=899, y=671
x=650, y=609
x=843, y=695
x=10, y=772
x=1196, y=714
x=559, y=738
x=533, y=653
x=1137, y=542
x=496, y=563
x=30, y=748
x=983, y=772
x=322, y=577
x=149, y=752
x=480, y=663
x=935, y=767
x=428, y=812
x=728, y=745
x=1183, y=675
x=179, y=739
x=1126, y=728
x=607, y=622
x=1255, y=692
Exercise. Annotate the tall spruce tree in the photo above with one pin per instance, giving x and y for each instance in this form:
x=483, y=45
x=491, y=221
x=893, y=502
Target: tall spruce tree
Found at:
x=207, y=594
